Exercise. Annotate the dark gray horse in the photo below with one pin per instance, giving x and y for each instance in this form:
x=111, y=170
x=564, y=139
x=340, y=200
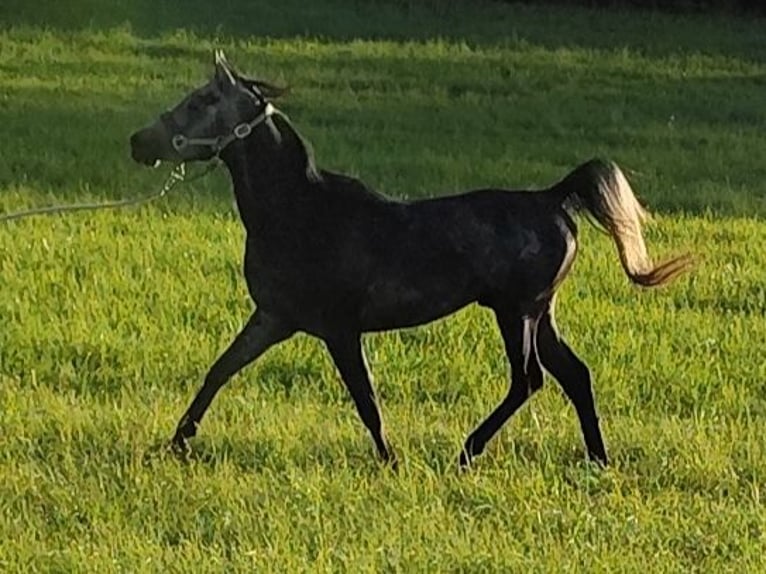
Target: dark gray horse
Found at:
x=327, y=256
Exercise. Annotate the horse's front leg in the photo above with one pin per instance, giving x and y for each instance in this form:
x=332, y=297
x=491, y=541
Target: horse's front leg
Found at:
x=261, y=332
x=348, y=355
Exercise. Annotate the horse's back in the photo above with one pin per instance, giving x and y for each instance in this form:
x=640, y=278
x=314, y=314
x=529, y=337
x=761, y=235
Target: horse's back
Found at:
x=490, y=246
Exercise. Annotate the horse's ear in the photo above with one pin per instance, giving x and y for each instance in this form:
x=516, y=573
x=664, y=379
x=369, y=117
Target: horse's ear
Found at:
x=268, y=91
x=223, y=73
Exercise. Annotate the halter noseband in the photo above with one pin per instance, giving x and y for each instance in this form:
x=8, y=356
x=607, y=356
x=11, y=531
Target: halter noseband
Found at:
x=240, y=132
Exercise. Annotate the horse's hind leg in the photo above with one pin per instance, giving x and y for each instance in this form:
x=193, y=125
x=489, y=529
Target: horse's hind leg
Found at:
x=526, y=378
x=261, y=332
x=574, y=377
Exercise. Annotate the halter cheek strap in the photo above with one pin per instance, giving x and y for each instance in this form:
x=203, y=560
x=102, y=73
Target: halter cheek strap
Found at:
x=240, y=132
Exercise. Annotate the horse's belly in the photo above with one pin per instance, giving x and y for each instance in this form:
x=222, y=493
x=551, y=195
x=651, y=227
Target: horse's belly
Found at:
x=393, y=305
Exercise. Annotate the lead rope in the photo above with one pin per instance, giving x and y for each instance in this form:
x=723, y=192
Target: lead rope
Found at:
x=177, y=175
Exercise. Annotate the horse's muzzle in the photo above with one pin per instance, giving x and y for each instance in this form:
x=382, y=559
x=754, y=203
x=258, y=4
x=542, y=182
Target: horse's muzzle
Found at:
x=150, y=145
x=141, y=149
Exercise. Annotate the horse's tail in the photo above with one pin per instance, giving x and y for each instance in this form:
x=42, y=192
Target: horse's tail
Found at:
x=600, y=188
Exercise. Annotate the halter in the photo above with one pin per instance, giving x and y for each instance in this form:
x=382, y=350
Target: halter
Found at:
x=240, y=132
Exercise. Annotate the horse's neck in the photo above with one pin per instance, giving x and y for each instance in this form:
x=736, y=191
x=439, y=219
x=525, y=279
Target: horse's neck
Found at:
x=269, y=176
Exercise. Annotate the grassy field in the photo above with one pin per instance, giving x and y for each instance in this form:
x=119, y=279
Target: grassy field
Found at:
x=108, y=321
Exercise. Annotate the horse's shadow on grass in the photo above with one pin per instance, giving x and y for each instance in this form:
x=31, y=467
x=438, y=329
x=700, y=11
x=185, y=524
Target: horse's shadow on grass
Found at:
x=439, y=459
x=267, y=455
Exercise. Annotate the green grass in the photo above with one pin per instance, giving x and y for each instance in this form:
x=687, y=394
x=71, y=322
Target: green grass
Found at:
x=108, y=321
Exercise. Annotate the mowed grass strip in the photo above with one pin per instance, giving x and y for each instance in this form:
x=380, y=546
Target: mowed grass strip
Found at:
x=108, y=321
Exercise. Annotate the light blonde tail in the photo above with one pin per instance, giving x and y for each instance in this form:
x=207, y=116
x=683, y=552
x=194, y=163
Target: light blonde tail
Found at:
x=600, y=188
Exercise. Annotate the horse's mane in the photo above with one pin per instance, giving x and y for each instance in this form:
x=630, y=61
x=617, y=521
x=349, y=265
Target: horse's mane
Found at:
x=305, y=148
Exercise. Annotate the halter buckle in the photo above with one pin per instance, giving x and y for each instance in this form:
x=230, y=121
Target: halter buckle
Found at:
x=179, y=142
x=242, y=131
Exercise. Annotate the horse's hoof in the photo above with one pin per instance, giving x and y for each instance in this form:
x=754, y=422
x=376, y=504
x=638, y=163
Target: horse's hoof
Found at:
x=465, y=460
x=600, y=460
x=179, y=447
x=389, y=461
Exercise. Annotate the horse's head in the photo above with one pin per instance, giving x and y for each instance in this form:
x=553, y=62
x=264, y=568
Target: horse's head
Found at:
x=208, y=119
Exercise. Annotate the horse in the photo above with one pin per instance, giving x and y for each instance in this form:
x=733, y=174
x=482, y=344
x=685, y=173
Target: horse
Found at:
x=327, y=256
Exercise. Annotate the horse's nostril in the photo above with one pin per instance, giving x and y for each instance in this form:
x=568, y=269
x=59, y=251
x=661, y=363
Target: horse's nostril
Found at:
x=137, y=138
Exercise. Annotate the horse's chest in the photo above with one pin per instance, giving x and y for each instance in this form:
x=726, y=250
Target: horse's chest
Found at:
x=270, y=270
